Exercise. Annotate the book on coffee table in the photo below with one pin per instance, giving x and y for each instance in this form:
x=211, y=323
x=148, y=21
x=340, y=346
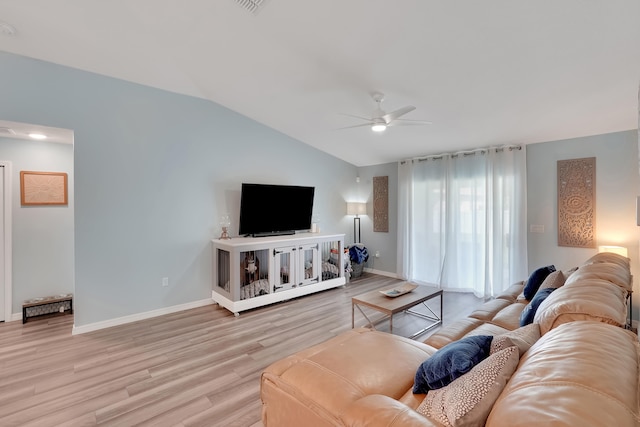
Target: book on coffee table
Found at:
x=399, y=290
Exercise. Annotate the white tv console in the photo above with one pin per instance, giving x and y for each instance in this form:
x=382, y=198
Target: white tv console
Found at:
x=250, y=272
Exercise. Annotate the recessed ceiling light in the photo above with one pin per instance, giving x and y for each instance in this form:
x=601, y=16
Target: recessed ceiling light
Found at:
x=7, y=30
x=36, y=135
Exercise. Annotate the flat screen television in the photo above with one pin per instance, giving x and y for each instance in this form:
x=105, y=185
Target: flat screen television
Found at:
x=271, y=210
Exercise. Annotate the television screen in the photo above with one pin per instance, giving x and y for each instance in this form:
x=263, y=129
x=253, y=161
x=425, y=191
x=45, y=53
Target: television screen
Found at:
x=268, y=210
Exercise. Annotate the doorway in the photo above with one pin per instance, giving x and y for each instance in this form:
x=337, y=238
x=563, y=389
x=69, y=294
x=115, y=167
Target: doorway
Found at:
x=5, y=241
x=37, y=256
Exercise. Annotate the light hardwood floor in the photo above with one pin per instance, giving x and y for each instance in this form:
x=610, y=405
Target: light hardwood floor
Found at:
x=199, y=367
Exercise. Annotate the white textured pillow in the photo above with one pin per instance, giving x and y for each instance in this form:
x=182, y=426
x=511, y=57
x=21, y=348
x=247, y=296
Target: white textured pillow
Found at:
x=523, y=338
x=553, y=280
x=468, y=400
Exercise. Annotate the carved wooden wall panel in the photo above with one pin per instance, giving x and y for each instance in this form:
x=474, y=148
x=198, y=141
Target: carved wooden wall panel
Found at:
x=381, y=203
x=577, y=202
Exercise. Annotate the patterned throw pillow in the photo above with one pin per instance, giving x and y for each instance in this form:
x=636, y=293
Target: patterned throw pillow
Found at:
x=523, y=338
x=468, y=400
x=553, y=280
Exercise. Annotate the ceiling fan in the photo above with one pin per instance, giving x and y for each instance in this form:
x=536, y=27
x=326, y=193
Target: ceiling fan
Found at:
x=380, y=120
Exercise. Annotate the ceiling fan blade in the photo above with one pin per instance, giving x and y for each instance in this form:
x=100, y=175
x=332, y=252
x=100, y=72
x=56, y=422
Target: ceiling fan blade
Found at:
x=354, y=126
x=407, y=122
x=389, y=117
x=356, y=117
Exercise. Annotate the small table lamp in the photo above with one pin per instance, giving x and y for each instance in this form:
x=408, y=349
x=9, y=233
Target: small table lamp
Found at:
x=620, y=250
x=356, y=208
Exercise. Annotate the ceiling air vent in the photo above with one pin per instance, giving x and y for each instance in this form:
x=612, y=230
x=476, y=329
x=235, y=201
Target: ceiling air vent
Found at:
x=4, y=131
x=252, y=6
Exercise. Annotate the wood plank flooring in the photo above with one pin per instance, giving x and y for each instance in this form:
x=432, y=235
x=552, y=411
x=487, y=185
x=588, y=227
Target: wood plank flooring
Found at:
x=199, y=367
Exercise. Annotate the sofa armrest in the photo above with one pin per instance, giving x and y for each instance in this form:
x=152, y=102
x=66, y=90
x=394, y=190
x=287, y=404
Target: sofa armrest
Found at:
x=377, y=410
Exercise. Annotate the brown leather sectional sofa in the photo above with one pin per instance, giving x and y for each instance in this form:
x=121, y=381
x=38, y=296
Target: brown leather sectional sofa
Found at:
x=582, y=371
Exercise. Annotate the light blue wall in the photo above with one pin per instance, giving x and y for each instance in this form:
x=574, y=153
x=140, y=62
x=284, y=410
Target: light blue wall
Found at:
x=153, y=173
x=155, y=170
x=617, y=185
x=42, y=235
x=384, y=242
x=617, y=182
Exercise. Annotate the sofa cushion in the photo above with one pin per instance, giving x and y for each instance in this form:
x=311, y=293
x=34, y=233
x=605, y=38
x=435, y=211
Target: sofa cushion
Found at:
x=579, y=374
x=488, y=329
x=609, y=257
x=490, y=308
x=608, y=271
x=512, y=291
x=374, y=409
x=522, y=299
x=468, y=400
x=529, y=312
x=535, y=280
x=592, y=299
x=523, y=338
x=451, y=362
x=451, y=332
x=509, y=317
x=325, y=379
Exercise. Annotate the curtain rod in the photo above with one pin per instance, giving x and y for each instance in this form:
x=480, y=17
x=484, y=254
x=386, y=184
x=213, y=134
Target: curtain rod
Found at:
x=463, y=153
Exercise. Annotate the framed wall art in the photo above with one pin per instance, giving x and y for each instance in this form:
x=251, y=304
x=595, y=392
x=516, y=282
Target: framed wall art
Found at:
x=43, y=188
x=577, y=202
x=381, y=203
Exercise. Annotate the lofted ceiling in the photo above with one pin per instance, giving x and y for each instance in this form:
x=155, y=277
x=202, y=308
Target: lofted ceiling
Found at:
x=484, y=73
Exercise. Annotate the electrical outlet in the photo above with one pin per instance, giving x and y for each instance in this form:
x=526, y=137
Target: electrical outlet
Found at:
x=165, y=281
x=377, y=254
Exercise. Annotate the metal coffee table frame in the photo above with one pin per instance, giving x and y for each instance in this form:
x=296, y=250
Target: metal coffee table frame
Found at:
x=403, y=303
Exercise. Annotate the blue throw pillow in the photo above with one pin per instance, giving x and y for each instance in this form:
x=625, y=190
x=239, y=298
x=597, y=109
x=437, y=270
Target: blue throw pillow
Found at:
x=536, y=279
x=529, y=312
x=450, y=362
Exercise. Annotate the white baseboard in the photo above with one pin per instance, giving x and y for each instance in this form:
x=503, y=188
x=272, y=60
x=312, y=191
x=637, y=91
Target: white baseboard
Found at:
x=14, y=317
x=381, y=273
x=139, y=316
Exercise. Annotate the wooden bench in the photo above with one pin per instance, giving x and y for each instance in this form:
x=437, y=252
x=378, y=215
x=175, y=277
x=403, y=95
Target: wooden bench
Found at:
x=47, y=305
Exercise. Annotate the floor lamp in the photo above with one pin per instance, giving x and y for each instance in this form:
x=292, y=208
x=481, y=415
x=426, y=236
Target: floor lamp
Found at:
x=356, y=208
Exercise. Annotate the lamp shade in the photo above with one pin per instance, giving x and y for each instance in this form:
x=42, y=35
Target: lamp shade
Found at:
x=356, y=208
x=615, y=249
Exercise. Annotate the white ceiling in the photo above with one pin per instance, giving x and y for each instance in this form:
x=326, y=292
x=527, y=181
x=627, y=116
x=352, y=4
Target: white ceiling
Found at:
x=485, y=72
x=16, y=130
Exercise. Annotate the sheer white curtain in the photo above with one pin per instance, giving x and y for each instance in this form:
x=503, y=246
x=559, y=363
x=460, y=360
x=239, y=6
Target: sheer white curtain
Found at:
x=462, y=220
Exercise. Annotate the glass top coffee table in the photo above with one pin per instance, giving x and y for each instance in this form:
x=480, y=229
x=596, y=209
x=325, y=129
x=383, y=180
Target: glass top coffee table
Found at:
x=389, y=306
